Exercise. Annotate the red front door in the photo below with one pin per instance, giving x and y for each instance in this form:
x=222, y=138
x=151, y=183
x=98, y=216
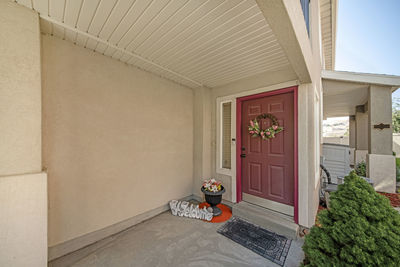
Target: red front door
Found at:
x=268, y=165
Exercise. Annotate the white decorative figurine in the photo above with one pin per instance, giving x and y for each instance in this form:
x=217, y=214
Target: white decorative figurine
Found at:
x=182, y=209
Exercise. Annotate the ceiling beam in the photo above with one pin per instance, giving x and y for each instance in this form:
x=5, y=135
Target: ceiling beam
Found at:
x=285, y=17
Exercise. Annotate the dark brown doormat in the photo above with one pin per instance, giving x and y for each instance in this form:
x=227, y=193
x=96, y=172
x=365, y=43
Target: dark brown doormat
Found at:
x=267, y=244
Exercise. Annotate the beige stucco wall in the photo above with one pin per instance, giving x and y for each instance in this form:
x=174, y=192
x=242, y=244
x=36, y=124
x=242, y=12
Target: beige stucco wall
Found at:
x=381, y=164
x=362, y=131
x=23, y=220
x=352, y=132
x=382, y=170
x=23, y=187
x=20, y=96
x=380, y=111
x=117, y=141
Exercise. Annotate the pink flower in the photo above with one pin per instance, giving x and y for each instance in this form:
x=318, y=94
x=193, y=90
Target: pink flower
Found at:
x=251, y=123
x=262, y=133
x=274, y=127
x=252, y=132
x=268, y=133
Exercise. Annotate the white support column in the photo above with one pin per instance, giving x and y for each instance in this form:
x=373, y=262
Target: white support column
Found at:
x=381, y=164
x=352, y=138
x=361, y=134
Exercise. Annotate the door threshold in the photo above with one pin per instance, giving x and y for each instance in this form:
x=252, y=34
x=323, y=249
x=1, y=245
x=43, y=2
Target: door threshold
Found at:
x=266, y=218
x=274, y=212
x=269, y=204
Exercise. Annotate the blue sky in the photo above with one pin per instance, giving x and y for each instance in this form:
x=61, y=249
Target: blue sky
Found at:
x=368, y=37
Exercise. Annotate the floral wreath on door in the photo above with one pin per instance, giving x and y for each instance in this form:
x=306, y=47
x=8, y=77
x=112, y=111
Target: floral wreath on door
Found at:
x=269, y=133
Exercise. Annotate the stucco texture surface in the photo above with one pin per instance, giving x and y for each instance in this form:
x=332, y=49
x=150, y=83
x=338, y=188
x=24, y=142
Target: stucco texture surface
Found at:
x=20, y=90
x=23, y=188
x=118, y=141
x=23, y=220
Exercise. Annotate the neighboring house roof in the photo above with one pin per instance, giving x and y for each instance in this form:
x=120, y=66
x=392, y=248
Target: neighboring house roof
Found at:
x=365, y=78
x=344, y=90
x=328, y=9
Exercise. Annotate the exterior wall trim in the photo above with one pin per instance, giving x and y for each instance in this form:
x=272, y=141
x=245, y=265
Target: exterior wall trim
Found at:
x=239, y=101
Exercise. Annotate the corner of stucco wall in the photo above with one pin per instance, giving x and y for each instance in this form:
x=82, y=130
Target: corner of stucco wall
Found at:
x=303, y=172
x=308, y=140
x=308, y=155
x=197, y=139
x=202, y=138
x=20, y=90
x=23, y=185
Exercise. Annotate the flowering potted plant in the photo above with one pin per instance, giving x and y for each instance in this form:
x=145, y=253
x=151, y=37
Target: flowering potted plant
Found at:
x=213, y=191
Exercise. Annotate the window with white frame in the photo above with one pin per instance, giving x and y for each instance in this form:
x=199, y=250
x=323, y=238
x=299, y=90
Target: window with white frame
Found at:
x=226, y=136
x=225, y=145
x=305, y=6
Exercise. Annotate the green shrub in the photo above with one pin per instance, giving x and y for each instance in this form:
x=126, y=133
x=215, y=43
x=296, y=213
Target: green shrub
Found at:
x=398, y=169
x=359, y=229
x=398, y=162
x=361, y=169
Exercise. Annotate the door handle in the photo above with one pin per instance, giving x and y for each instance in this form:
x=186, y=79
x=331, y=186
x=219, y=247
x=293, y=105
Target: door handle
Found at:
x=242, y=155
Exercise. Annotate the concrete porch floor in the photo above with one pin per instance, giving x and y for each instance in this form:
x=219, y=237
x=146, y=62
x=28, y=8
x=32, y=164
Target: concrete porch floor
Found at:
x=167, y=240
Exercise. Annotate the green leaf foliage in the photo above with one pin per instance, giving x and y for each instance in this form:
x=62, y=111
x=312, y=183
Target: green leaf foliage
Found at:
x=359, y=229
x=361, y=169
x=396, y=115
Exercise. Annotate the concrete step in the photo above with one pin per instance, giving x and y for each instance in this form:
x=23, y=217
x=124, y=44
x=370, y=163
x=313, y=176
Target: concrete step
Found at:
x=273, y=221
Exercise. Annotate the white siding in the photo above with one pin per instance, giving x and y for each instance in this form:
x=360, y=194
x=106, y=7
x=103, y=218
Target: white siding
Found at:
x=337, y=160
